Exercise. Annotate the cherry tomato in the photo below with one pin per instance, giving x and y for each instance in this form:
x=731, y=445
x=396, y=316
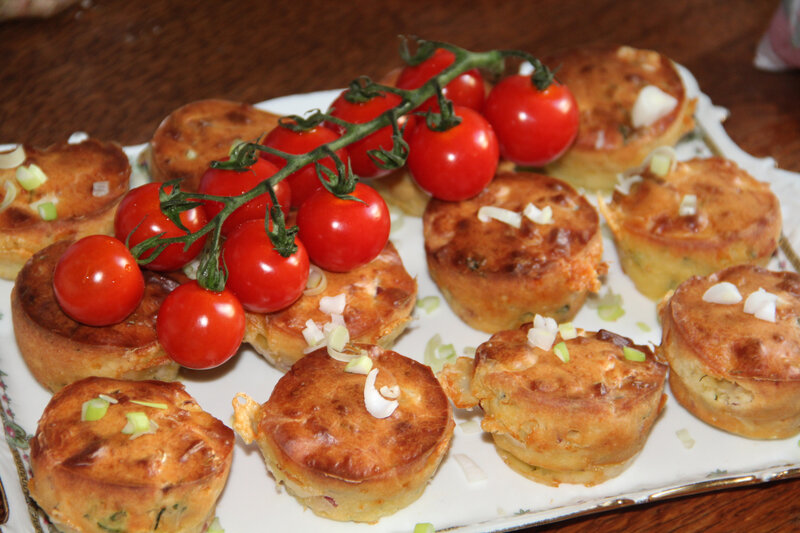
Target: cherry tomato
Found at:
x=97, y=281
x=455, y=164
x=200, y=328
x=533, y=127
x=140, y=207
x=305, y=181
x=232, y=183
x=465, y=90
x=262, y=279
x=341, y=234
x=358, y=113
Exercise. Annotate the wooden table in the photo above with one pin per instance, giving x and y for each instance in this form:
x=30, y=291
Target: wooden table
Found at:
x=115, y=69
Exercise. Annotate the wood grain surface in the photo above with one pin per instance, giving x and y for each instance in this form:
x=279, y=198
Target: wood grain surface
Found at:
x=115, y=68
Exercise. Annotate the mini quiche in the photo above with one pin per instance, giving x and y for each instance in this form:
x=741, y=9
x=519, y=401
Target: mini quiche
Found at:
x=733, y=346
x=194, y=135
x=322, y=438
x=66, y=191
x=59, y=350
x=377, y=301
x=133, y=456
x=699, y=217
x=527, y=244
x=631, y=102
x=577, y=412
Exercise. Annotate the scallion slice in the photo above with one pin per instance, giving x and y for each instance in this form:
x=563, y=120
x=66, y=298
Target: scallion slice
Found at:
x=137, y=423
x=424, y=527
x=14, y=158
x=215, y=527
x=93, y=410
x=154, y=405
x=360, y=365
x=567, y=331
x=30, y=176
x=561, y=352
x=47, y=211
x=610, y=313
x=10, y=194
x=632, y=354
x=429, y=304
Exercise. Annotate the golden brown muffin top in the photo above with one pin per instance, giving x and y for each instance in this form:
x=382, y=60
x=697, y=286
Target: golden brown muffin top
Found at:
x=374, y=292
x=596, y=373
x=734, y=343
x=606, y=82
x=731, y=205
x=71, y=170
x=317, y=418
x=34, y=286
x=192, y=136
x=455, y=236
x=188, y=445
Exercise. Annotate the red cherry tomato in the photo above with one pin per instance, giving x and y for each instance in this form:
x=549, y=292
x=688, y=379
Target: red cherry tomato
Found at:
x=305, y=181
x=533, y=127
x=455, y=164
x=97, y=281
x=140, y=207
x=232, y=183
x=466, y=90
x=200, y=328
x=341, y=234
x=262, y=279
x=358, y=113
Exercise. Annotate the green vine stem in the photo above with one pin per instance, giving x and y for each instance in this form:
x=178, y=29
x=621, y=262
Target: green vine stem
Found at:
x=211, y=274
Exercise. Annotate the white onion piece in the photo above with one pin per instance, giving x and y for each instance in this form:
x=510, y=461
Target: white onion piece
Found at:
x=541, y=338
x=600, y=142
x=545, y=322
x=10, y=193
x=651, y=104
x=624, y=183
x=489, y=212
x=762, y=305
x=14, y=158
x=723, y=292
x=688, y=205
x=390, y=393
x=317, y=281
x=312, y=334
x=333, y=305
x=472, y=471
x=338, y=338
x=78, y=137
x=377, y=405
x=539, y=216
x=470, y=427
x=100, y=189
x=344, y=357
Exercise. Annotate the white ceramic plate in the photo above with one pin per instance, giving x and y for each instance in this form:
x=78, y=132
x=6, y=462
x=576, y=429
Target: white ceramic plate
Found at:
x=506, y=500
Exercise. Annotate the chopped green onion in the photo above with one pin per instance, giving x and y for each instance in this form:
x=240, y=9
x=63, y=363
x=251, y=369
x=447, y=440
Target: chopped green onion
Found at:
x=10, y=193
x=642, y=326
x=469, y=351
x=155, y=405
x=686, y=439
x=137, y=423
x=660, y=164
x=610, y=313
x=215, y=527
x=437, y=354
x=567, y=331
x=632, y=354
x=360, y=365
x=429, y=304
x=93, y=409
x=106, y=397
x=338, y=338
x=31, y=176
x=47, y=211
x=561, y=351
x=424, y=527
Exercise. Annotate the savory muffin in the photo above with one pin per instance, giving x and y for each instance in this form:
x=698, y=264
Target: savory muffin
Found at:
x=134, y=456
x=58, y=350
x=379, y=298
x=631, y=101
x=192, y=136
x=700, y=217
x=333, y=454
x=497, y=275
x=76, y=188
x=577, y=417
x=736, y=365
